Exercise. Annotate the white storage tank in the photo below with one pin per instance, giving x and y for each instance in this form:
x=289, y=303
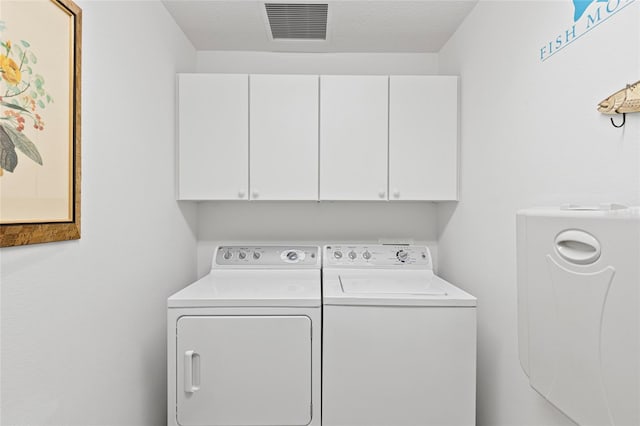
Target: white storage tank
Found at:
x=579, y=310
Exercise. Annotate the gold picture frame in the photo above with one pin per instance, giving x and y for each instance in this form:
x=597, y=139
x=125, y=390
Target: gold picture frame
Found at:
x=27, y=108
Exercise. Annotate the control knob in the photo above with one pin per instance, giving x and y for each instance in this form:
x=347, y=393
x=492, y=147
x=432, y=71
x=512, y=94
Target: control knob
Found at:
x=227, y=255
x=366, y=255
x=292, y=256
x=242, y=255
x=402, y=255
x=256, y=255
x=337, y=254
x=352, y=255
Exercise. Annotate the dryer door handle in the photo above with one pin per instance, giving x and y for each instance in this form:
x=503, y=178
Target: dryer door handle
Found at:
x=191, y=372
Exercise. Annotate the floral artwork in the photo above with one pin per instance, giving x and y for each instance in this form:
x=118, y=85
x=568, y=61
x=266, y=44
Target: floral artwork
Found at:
x=40, y=149
x=22, y=100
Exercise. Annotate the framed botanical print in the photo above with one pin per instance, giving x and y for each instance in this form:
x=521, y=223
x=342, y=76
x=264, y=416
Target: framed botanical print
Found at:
x=40, y=59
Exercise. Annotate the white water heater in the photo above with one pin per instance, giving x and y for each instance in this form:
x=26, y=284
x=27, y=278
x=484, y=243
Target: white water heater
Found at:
x=579, y=310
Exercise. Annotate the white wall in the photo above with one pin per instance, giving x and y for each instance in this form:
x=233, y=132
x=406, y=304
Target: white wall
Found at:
x=530, y=136
x=84, y=322
x=313, y=222
x=317, y=63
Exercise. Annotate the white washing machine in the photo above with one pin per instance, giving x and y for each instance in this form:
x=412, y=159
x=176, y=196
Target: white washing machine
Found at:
x=399, y=343
x=244, y=341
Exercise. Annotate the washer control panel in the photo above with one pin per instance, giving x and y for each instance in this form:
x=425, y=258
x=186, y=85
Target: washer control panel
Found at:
x=375, y=255
x=266, y=256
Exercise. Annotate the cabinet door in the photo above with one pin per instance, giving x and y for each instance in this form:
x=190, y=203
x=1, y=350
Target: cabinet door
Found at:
x=423, y=138
x=353, y=137
x=213, y=136
x=243, y=370
x=284, y=137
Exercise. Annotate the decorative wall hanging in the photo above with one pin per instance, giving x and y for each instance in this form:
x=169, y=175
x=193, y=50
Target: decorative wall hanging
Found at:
x=623, y=101
x=40, y=44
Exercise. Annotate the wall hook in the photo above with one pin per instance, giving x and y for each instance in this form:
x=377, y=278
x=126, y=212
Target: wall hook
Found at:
x=623, y=101
x=624, y=119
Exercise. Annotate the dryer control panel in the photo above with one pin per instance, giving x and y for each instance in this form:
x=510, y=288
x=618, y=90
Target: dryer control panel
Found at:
x=264, y=256
x=377, y=255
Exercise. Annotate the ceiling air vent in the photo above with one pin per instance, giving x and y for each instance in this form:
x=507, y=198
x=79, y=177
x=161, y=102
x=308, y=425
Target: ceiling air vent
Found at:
x=305, y=21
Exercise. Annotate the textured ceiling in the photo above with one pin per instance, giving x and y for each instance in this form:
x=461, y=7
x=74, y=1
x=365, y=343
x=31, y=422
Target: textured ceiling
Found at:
x=353, y=25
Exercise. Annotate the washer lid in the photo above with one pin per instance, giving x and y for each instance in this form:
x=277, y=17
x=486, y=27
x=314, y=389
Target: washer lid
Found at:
x=260, y=288
x=390, y=288
x=399, y=285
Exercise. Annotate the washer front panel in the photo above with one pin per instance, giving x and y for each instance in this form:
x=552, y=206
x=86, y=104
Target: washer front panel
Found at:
x=398, y=366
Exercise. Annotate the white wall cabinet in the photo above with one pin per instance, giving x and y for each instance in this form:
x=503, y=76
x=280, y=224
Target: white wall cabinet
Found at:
x=423, y=138
x=353, y=137
x=283, y=137
x=304, y=137
x=213, y=136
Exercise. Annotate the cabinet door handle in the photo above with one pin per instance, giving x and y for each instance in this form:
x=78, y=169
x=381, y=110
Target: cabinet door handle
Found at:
x=396, y=193
x=241, y=194
x=255, y=194
x=191, y=372
x=382, y=194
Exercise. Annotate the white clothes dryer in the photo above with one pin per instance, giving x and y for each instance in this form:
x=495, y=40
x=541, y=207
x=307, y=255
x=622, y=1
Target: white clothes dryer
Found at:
x=399, y=343
x=244, y=341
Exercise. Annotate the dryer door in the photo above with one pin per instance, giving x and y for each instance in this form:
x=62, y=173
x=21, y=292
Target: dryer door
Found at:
x=243, y=370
